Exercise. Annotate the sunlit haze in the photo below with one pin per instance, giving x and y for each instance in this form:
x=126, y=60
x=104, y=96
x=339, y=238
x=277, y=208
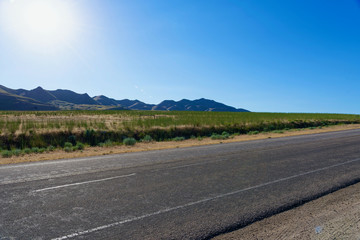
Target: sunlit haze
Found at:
x=40, y=24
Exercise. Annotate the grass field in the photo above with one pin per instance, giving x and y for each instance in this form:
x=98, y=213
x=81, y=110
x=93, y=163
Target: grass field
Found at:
x=21, y=130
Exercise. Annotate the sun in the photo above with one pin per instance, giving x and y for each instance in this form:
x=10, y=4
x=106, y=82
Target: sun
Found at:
x=44, y=20
x=45, y=23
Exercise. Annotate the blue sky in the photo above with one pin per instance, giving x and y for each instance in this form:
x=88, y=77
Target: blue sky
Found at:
x=264, y=55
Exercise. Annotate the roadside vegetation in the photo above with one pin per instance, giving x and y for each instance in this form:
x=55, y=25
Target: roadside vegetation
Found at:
x=37, y=132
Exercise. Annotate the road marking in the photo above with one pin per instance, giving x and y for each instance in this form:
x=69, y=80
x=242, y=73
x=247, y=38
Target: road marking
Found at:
x=192, y=164
x=61, y=161
x=200, y=201
x=80, y=183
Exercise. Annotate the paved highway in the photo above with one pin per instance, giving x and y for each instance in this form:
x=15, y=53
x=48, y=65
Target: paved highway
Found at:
x=191, y=193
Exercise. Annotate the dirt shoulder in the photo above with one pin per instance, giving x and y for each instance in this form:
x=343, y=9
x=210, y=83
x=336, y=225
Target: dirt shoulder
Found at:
x=139, y=147
x=334, y=216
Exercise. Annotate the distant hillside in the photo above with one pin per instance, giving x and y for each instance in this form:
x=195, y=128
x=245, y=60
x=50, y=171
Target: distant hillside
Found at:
x=125, y=103
x=135, y=104
x=38, y=94
x=61, y=99
x=103, y=100
x=73, y=97
x=10, y=101
x=170, y=105
x=196, y=105
x=42, y=99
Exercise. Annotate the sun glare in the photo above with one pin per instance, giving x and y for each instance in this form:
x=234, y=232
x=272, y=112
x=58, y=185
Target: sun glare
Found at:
x=43, y=19
x=44, y=23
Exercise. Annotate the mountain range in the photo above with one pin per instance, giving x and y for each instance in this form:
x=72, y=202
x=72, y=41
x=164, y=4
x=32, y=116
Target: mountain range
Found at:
x=39, y=99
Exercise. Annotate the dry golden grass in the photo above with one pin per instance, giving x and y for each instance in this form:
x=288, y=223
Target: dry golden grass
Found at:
x=52, y=123
x=139, y=147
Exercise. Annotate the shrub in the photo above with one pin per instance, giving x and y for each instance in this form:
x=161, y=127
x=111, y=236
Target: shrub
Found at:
x=80, y=146
x=6, y=154
x=42, y=150
x=27, y=150
x=253, y=132
x=35, y=150
x=178, y=139
x=129, y=141
x=51, y=148
x=225, y=135
x=215, y=136
x=278, y=131
x=17, y=152
x=147, y=138
x=68, y=149
x=68, y=145
x=108, y=143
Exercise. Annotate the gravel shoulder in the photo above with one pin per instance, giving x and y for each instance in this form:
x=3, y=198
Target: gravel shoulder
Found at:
x=334, y=216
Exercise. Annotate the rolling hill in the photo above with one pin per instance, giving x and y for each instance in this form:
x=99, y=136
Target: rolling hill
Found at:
x=10, y=101
x=61, y=99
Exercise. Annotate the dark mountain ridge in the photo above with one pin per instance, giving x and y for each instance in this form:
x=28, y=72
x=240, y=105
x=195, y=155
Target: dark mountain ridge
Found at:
x=196, y=105
x=9, y=100
x=135, y=104
x=103, y=100
x=38, y=94
x=73, y=97
x=41, y=99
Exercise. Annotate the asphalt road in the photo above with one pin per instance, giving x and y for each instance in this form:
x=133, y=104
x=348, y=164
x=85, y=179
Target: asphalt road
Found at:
x=191, y=193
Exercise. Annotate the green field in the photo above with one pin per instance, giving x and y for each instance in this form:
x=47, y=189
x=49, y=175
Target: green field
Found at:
x=20, y=130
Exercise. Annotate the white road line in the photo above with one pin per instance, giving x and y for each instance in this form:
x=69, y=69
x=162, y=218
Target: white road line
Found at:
x=80, y=183
x=61, y=161
x=193, y=164
x=200, y=201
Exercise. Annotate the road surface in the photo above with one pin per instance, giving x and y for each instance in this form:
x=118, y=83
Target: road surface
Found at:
x=190, y=193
